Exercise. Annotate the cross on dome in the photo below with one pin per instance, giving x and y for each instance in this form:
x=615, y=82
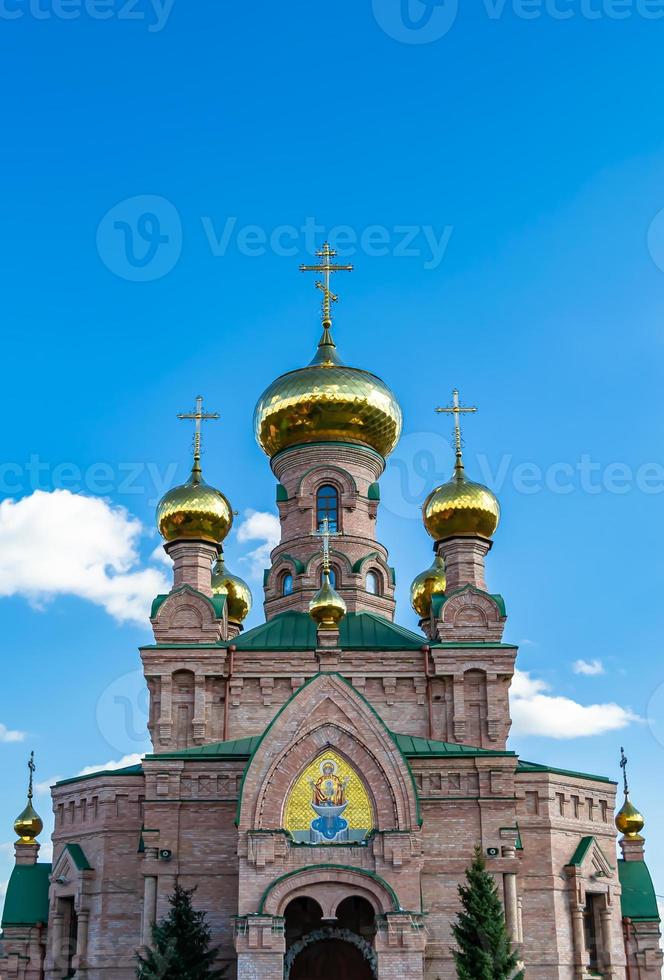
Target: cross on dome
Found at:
x=327, y=268
x=325, y=534
x=455, y=409
x=198, y=416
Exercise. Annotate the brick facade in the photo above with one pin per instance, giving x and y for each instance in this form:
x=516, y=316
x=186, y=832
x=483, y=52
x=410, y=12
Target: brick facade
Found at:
x=424, y=719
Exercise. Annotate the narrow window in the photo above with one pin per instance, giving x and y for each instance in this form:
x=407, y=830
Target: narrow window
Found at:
x=327, y=505
x=287, y=584
x=372, y=584
x=333, y=578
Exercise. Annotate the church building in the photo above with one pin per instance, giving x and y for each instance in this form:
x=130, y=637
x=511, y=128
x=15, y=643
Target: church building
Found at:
x=323, y=778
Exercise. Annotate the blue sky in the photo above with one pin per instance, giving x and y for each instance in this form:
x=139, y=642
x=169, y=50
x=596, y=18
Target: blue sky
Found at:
x=498, y=180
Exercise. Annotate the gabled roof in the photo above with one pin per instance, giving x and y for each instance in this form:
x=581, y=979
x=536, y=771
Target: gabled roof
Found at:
x=77, y=854
x=357, y=631
x=638, y=900
x=26, y=902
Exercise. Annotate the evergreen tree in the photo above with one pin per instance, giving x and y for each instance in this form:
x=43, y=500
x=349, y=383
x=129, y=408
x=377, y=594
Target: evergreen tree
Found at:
x=484, y=948
x=180, y=944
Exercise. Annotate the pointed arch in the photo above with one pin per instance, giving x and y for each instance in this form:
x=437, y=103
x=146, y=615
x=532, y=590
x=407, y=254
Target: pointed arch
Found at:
x=328, y=712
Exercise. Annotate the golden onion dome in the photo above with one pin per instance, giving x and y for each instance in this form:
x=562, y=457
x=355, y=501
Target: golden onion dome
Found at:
x=237, y=592
x=628, y=819
x=327, y=608
x=427, y=584
x=28, y=825
x=327, y=402
x=194, y=510
x=461, y=507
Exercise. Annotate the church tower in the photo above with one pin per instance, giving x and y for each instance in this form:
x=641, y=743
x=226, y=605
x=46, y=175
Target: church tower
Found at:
x=323, y=779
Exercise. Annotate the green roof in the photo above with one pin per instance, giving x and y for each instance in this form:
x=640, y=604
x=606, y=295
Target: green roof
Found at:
x=638, y=900
x=26, y=902
x=127, y=771
x=78, y=857
x=414, y=747
x=357, y=631
x=582, y=849
x=536, y=767
x=237, y=748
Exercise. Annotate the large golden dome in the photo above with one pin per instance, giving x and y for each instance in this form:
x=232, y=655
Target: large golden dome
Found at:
x=430, y=582
x=327, y=402
x=461, y=507
x=194, y=510
x=236, y=590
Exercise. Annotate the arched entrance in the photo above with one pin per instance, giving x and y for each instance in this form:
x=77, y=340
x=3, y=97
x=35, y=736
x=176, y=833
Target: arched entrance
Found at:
x=330, y=949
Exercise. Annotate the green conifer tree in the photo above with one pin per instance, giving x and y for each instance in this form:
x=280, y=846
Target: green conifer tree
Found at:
x=180, y=945
x=484, y=949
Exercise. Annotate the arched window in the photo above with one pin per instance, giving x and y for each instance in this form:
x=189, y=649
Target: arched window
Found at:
x=333, y=578
x=372, y=583
x=287, y=584
x=327, y=505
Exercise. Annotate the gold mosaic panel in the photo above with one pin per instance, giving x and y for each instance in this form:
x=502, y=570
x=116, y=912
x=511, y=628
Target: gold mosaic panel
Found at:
x=298, y=810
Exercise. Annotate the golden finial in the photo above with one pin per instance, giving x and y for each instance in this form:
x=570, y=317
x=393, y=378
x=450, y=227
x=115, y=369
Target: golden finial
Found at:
x=327, y=268
x=327, y=608
x=28, y=825
x=628, y=819
x=198, y=416
x=456, y=410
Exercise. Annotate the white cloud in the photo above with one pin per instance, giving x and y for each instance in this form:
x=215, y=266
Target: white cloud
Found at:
x=535, y=712
x=3, y=889
x=259, y=526
x=7, y=848
x=126, y=760
x=161, y=557
x=43, y=788
x=7, y=735
x=61, y=543
x=591, y=668
x=133, y=759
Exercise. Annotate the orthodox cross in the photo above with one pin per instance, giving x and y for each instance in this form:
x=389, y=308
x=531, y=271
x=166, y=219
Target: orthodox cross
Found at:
x=327, y=268
x=456, y=410
x=623, y=766
x=325, y=534
x=198, y=416
x=31, y=767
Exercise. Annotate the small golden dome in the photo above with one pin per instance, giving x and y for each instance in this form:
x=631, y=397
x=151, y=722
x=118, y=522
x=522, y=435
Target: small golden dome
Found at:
x=628, y=820
x=428, y=583
x=236, y=590
x=194, y=510
x=327, y=402
x=28, y=825
x=327, y=608
x=461, y=507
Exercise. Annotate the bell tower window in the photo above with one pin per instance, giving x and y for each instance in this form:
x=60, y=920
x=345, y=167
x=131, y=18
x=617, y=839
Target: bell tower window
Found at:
x=333, y=578
x=287, y=584
x=371, y=584
x=327, y=505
